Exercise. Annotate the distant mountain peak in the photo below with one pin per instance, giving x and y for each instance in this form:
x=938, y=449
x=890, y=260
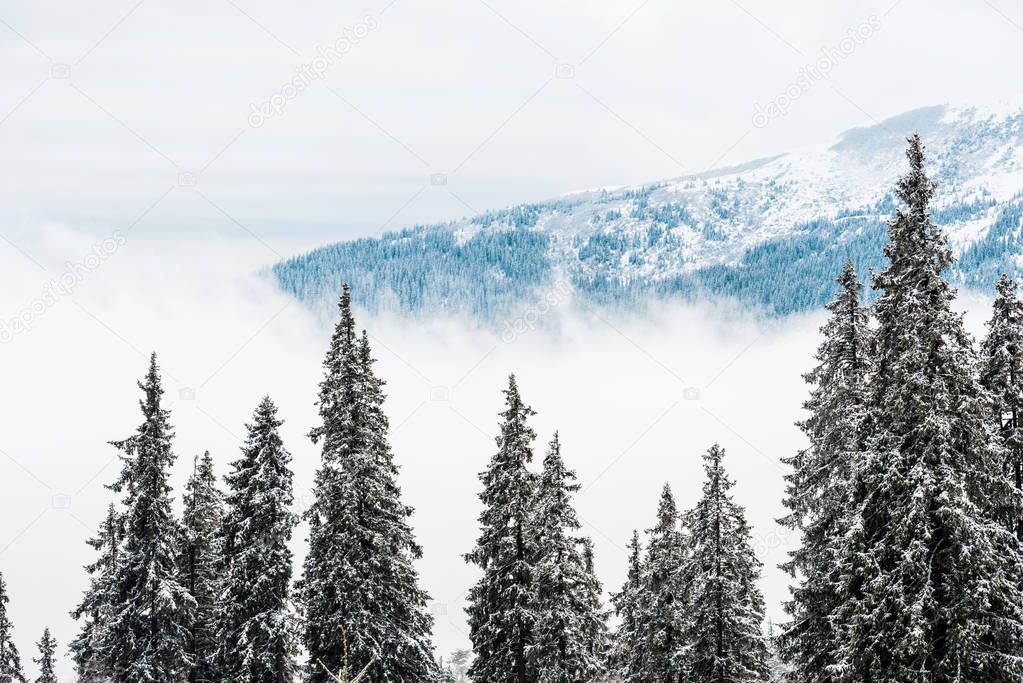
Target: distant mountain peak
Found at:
x=769, y=234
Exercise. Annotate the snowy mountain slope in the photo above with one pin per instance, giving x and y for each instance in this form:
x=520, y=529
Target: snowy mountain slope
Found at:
x=770, y=233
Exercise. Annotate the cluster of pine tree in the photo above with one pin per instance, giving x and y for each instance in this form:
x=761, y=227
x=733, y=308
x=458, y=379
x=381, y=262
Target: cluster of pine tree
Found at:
x=200, y=599
x=908, y=501
x=690, y=609
x=209, y=597
x=908, y=496
x=535, y=614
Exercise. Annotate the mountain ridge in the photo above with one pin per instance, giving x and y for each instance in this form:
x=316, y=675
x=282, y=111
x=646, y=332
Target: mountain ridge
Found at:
x=769, y=234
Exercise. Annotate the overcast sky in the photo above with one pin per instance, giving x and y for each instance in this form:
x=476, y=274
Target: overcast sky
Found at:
x=113, y=112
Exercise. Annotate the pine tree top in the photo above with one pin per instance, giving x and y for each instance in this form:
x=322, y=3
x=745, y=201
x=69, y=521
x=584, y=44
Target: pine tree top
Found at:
x=266, y=413
x=152, y=436
x=152, y=388
x=635, y=555
x=713, y=465
x=667, y=509
x=344, y=329
x=202, y=474
x=1006, y=286
x=556, y=476
x=1005, y=334
x=915, y=188
x=915, y=243
x=849, y=280
x=516, y=435
x=47, y=649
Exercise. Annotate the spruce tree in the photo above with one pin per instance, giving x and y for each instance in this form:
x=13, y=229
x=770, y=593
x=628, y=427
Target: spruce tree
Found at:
x=257, y=630
x=595, y=634
x=622, y=658
x=148, y=626
x=10, y=660
x=201, y=564
x=726, y=609
x=501, y=612
x=47, y=651
x=932, y=590
x=567, y=610
x=91, y=649
x=1001, y=374
x=359, y=574
x=819, y=484
x=661, y=639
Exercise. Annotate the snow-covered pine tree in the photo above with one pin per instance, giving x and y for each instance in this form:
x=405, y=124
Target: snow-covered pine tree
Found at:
x=45, y=661
x=407, y=629
x=622, y=658
x=566, y=611
x=256, y=628
x=359, y=574
x=91, y=649
x=726, y=609
x=661, y=639
x=148, y=624
x=501, y=613
x=818, y=489
x=932, y=580
x=10, y=660
x=1001, y=374
x=591, y=592
x=201, y=561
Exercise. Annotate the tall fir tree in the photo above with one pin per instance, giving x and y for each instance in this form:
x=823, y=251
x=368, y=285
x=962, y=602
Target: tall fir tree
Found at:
x=622, y=657
x=201, y=566
x=10, y=660
x=726, y=609
x=91, y=649
x=46, y=660
x=149, y=624
x=567, y=611
x=501, y=612
x=595, y=634
x=359, y=574
x=932, y=590
x=1001, y=374
x=818, y=490
x=661, y=639
x=257, y=628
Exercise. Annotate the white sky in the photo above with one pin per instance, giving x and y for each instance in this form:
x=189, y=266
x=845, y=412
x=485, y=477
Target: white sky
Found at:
x=104, y=105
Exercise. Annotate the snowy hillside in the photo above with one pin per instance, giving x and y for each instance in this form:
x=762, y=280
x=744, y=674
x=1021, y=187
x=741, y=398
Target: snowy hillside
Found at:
x=770, y=234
